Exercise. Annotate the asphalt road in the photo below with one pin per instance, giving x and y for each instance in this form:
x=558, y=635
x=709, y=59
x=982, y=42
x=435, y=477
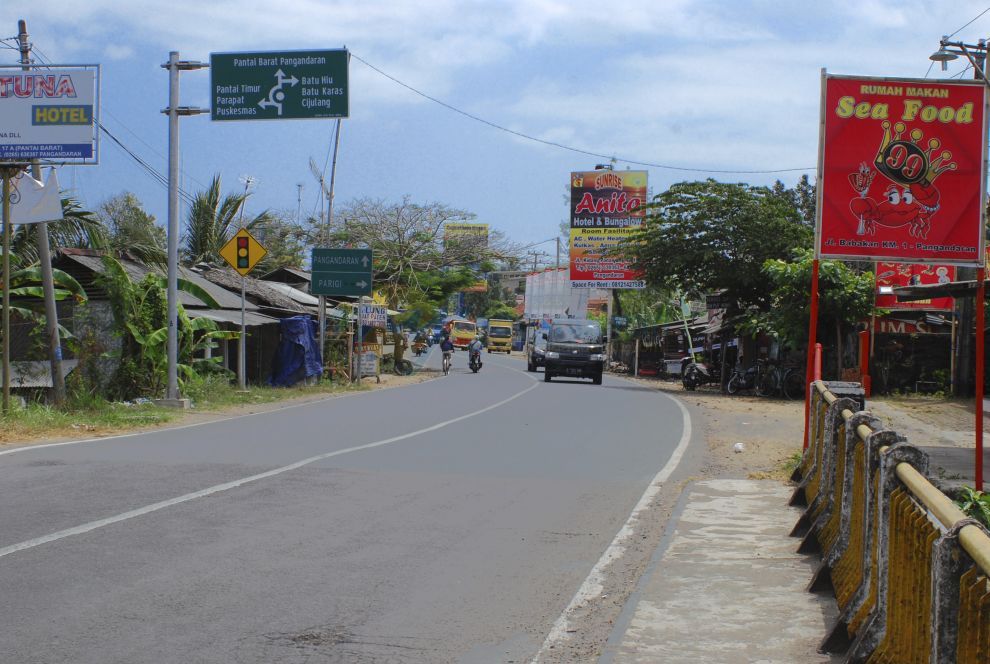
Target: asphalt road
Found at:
x=452, y=520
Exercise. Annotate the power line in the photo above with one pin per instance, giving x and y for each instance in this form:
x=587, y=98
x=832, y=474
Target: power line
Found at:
x=151, y=170
x=568, y=147
x=968, y=24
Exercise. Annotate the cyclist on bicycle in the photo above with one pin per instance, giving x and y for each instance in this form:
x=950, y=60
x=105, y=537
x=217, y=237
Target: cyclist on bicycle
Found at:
x=447, y=346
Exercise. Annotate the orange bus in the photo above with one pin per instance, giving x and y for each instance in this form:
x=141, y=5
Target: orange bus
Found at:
x=462, y=332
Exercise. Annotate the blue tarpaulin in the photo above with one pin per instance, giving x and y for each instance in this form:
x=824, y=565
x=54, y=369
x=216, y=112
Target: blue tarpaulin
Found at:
x=298, y=354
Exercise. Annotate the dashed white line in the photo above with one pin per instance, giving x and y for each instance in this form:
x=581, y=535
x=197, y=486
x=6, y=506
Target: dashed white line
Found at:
x=154, y=507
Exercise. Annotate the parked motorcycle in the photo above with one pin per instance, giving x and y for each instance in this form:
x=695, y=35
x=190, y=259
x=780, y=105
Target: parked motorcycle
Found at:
x=475, y=362
x=696, y=374
x=742, y=379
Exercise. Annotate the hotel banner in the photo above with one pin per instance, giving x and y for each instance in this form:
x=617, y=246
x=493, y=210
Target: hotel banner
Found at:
x=606, y=208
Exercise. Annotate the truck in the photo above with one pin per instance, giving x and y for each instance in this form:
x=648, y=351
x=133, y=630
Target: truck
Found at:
x=500, y=336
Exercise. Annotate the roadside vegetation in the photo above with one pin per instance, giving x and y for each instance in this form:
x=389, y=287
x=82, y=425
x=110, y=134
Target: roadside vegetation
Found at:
x=122, y=359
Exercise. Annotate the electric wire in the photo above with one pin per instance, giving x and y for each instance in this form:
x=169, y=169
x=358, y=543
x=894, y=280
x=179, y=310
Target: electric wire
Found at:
x=968, y=24
x=157, y=175
x=568, y=147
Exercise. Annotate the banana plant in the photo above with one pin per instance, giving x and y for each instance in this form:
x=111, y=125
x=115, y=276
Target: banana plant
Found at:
x=26, y=283
x=140, y=316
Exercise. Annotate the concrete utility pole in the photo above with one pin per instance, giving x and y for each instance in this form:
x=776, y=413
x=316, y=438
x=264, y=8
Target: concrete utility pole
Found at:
x=322, y=299
x=174, y=66
x=45, y=260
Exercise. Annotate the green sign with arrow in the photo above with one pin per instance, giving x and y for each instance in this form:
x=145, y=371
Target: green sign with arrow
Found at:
x=281, y=85
x=341, y=272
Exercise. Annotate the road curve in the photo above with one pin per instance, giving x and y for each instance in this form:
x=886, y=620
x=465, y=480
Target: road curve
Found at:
x=452, y=520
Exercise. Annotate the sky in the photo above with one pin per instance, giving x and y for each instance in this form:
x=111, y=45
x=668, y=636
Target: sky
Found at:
x=695, y=88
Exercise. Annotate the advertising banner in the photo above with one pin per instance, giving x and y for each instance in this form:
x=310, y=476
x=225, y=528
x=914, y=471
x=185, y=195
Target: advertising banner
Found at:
x=49, y=114
x=373, y=315
x=894, y=275
x=902, y=170
x=471, y=235
x=606, y=208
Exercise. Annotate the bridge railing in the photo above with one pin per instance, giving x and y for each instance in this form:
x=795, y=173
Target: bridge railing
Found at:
x=910, y=571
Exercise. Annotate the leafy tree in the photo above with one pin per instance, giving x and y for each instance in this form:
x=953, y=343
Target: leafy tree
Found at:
x=801, y=197
x=648, y=306
x=709, y=236
x=212, y=221
x=285, y=240
x=129, y=228
x=414, y=265
x=845, y=297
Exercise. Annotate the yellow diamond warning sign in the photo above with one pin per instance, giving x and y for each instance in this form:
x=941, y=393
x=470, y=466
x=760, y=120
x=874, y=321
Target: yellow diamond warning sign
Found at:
x=243, y=252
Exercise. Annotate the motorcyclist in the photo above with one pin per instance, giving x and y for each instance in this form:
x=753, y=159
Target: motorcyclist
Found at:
x=474, y=348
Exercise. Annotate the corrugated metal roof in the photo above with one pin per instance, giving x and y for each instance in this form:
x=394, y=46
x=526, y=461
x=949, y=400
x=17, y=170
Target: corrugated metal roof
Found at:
x=137, y=272
x=251, y=319
x=296, y=294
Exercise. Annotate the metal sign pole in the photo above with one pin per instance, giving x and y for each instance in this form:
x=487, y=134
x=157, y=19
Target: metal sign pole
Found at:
x=242, y=347
x=6, y=290
x=360, y=333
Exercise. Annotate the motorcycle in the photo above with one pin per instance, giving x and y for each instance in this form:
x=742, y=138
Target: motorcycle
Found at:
x=696, y=374
x=742, y=379
x=419, y=347
x=475, y=362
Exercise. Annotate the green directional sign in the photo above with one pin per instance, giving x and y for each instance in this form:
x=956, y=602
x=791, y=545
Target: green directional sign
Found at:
x=279, y=85
x=341, y=272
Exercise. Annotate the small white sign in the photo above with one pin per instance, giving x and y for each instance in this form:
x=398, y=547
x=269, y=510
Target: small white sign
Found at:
x=374, y=315
x=369, y=364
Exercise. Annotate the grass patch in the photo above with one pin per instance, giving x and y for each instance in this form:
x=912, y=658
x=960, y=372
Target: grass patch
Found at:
x=35, y=420
x=87, y=416
x=216, y=393
x=782, y=471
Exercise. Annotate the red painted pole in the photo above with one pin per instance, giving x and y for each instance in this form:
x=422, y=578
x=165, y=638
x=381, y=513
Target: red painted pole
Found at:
x=812, y=342
x=980, y=326
x=864, y=361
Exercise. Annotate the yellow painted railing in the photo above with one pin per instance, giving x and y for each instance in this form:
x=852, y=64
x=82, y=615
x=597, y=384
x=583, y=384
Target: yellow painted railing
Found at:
x=910, y=572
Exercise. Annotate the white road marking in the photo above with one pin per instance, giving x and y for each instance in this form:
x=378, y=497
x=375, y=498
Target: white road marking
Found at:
x=154, y=507
x=595, y=582
x=29, y=448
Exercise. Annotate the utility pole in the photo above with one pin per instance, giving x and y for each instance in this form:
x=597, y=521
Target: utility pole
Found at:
x=966, y=306
x=322, y=317
x=45, y=259
x=174, y=66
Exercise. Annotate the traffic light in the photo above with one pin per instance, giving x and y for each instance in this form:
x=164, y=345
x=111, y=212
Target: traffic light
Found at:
x=242, y=254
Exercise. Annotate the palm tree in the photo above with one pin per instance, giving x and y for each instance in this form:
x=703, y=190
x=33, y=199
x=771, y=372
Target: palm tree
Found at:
x=212, y=221
x=79, y=228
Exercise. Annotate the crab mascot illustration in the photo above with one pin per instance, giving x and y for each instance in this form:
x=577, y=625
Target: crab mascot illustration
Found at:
x=909, y=196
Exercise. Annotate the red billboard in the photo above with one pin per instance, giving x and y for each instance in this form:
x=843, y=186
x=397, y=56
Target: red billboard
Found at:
x=902, y=170
x=895, y=275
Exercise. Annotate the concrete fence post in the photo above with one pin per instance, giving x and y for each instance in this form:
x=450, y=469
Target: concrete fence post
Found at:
x=868, y=638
